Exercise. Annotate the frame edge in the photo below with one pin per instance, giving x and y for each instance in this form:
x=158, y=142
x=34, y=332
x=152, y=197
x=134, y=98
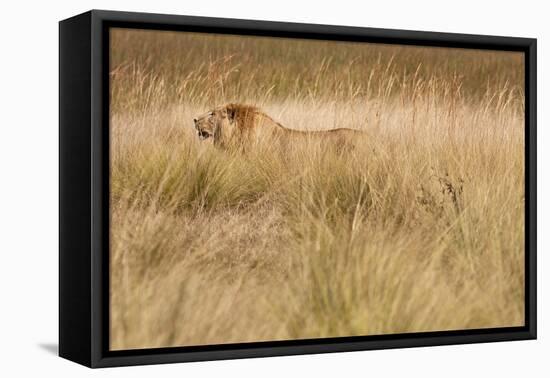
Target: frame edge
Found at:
x=531, y=181
x=75, y=79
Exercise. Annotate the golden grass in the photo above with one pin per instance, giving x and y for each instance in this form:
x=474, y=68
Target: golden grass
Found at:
x=419, y=228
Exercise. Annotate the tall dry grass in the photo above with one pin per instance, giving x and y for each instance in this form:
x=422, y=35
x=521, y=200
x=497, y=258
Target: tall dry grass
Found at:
x=418, y=228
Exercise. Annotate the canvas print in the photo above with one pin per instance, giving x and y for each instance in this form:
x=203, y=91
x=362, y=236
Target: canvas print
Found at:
x=266, y=189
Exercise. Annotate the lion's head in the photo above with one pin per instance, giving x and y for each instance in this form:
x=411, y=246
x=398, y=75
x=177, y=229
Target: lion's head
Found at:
x=222, y=123
x=211, y=123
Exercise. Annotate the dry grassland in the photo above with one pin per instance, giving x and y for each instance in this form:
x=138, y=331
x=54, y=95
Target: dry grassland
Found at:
x=419, y=228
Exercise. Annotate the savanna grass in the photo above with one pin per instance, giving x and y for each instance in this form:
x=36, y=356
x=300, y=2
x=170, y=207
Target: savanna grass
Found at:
x=418, y=227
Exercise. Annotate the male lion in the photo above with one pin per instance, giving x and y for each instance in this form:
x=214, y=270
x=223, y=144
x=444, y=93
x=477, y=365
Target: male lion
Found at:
x=238, y=125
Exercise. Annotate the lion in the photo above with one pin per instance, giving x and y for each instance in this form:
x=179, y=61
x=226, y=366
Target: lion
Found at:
x=240, y=125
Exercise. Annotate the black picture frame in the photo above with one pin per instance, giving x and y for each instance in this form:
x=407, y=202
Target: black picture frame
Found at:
x=84, y=188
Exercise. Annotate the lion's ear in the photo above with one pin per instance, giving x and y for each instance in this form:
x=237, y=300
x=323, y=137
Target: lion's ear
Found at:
x=231, y=113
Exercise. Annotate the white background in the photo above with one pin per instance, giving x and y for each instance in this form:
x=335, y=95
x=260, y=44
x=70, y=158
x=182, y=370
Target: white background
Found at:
x=29, y=186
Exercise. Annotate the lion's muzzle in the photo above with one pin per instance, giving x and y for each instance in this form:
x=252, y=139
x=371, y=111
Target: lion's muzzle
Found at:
x=203, y=134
